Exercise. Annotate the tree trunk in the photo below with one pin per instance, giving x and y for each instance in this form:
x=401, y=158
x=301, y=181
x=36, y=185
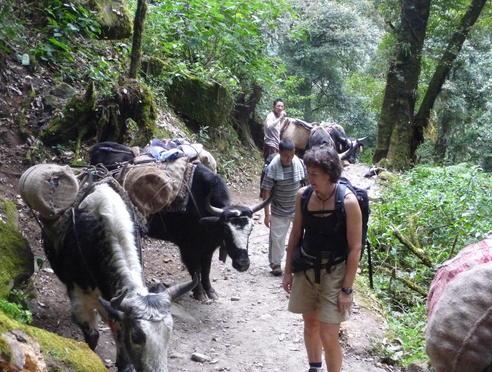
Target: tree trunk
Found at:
x=244, y=109
x=138, y=25
x=445, y=64
x=395, y=123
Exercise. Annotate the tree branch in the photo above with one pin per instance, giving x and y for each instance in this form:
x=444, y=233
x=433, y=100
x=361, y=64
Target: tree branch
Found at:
x=407, y=282
x=415, y=250
x=442, y=70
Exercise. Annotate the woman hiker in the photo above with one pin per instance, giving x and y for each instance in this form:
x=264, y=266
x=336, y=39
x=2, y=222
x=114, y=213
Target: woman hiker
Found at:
x=322, y=258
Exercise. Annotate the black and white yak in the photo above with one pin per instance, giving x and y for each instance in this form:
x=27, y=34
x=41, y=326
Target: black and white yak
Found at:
x=94, y=248
x=209, y=221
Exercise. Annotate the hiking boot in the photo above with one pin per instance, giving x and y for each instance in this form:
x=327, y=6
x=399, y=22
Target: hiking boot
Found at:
x=276, y=270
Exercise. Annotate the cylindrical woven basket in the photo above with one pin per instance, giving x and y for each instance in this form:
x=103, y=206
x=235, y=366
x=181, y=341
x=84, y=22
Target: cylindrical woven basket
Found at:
x=49, y=188
x=154, y=187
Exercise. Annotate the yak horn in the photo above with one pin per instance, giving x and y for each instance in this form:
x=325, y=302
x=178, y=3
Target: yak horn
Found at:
x=261, y=205
x=213, y=210
x=178, y=290
x=343, y=155
x=116, y=301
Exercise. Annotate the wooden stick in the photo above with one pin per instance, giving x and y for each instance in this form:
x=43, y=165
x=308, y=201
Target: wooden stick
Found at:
x=413, y=286
x=415, y=250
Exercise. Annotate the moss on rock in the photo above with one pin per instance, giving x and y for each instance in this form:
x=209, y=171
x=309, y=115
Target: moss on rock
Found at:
x=17, y=260
x=153, y=66
x=114, y=18
x=75, y=122
x=201, y=103
x=61, y=354
x=128, y=115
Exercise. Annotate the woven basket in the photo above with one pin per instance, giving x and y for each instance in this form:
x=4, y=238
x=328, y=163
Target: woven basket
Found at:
x=49, y=189
x=154, y=187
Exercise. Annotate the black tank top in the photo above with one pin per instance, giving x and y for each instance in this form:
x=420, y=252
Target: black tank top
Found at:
x=320, y=230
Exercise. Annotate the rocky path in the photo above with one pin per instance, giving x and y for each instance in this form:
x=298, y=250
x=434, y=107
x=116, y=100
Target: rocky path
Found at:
x=247, y=329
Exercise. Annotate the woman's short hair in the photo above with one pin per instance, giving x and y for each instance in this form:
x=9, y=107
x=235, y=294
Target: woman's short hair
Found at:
x=325, y=158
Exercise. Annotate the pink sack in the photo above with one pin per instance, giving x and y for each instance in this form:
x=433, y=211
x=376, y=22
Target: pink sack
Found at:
x=470, y=256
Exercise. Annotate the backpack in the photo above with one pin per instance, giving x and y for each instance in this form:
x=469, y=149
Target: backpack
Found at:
x=363, y=199
x=110, y=154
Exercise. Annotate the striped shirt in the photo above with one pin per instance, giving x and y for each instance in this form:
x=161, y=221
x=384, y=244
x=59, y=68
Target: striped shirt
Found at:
x=284, y=193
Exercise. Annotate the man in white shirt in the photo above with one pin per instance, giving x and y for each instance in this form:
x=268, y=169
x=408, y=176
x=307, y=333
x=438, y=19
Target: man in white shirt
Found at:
x=272, y=126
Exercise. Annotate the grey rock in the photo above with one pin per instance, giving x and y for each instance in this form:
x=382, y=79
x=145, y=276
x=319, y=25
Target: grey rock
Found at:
x=63, y=91
x=201, y=358
x=417, y=367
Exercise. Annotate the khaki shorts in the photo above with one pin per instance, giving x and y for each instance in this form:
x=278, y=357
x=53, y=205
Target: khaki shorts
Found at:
x=307, y=296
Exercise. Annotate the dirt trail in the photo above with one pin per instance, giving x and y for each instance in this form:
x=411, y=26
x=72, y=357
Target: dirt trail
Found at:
x=247, y=329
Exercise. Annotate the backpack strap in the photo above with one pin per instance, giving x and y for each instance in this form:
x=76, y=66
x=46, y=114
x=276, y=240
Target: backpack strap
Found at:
x=340, y=204
x=305, y=198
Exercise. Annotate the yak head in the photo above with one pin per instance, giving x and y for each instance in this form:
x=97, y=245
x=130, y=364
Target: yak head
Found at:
x=352, y=150
x=143, y=325
x=237, y=224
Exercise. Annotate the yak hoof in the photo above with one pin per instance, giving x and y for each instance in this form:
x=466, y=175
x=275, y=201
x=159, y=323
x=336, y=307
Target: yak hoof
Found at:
x=199, y=294
x=212, y=294
x=91, y=338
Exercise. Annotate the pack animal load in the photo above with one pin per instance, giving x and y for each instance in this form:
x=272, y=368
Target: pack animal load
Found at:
x=49, y=189
x=114, y=155
x=307, y=135
x=459, y=328
x=154, y=186
x=296, y=130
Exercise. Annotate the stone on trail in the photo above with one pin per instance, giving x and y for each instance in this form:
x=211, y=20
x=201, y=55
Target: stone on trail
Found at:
x=201, y=358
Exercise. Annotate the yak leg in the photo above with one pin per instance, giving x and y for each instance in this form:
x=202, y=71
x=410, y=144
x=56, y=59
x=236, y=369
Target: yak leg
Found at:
x=193, y=266
x=207, y=286
x=83, y=308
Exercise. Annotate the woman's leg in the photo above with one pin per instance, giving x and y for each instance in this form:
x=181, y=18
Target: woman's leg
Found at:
x=312, y=338
x=331, y=345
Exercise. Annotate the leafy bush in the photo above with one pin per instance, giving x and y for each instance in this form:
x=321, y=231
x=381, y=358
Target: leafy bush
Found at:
x=10, y=29
x=213, y=40
x=15, y=311
x=436, y=209
x=65, y=20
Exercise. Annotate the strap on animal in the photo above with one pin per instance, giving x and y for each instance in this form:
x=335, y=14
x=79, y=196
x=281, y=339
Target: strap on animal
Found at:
x=193, y=199
x=37, y=220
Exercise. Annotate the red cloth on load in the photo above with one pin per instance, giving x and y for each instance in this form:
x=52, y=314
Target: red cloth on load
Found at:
x=472, y=255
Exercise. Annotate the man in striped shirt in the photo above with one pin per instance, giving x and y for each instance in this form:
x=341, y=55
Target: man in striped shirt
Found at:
x=283, y=178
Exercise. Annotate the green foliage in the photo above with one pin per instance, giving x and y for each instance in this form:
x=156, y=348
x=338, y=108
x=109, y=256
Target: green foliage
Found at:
x=329, y=52
x=65, y=21
x=16, y=258
x=438, y=209
x=15, y=311
x=216, y=41
x=11, y=29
